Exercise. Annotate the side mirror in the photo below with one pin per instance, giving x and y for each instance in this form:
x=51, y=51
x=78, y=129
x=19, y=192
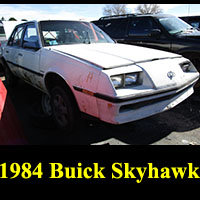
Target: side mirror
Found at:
x=31, y=45
x=155, y=33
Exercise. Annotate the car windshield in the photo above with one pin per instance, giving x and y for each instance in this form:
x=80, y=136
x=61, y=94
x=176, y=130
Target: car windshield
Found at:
x=174, y=25
x=72, y=32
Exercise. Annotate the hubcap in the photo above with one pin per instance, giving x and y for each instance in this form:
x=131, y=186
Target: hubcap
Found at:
x=46, y=106
x=61, y=111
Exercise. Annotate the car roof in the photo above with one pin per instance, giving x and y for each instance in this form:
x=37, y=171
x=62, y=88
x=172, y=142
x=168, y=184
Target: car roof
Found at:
x=191, y=16
x=159, y=15
x=51, y=20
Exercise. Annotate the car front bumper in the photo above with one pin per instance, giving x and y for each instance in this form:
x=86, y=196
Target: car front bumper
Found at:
x=139, y=108
x=124, y=109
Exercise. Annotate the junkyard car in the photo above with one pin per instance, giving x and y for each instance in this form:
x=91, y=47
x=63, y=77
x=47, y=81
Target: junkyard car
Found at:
x=83, y=70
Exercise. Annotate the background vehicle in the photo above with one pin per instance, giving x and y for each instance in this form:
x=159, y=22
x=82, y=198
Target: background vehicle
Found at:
x=159, y=31
x=2, y=38
x=192, y=20
x=2, y=32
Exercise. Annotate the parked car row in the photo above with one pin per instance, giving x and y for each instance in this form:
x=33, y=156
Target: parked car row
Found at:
x=80, y=69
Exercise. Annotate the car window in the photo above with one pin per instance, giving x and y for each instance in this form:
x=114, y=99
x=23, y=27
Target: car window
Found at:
x=174, y=25
x=142, y=26
x=31, y=34
x=16, y=37
x=30, y=37
x=116, y=28
x=195, y=24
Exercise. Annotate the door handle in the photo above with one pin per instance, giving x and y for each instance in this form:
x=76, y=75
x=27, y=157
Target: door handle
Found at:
x=7, y=51
x=19, y=54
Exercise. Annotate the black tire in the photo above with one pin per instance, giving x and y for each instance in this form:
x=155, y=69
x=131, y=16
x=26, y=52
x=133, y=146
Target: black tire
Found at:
x=64, y=109
x=10, y=79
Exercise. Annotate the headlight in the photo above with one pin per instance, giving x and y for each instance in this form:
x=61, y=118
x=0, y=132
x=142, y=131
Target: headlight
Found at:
x=187, y=67
x=117, y=81
x=131, y=79
x=126, y=80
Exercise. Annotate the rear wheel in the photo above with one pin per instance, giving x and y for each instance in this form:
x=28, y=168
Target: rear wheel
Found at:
x=64, y=110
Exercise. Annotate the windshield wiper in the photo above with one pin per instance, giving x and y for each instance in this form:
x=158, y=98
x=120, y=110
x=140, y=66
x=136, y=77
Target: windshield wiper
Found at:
x=184, y=31
x=191, y=28
x=181, y=31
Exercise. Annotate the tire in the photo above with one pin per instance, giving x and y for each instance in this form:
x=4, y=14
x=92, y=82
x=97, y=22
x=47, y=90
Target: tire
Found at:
x=64, y=109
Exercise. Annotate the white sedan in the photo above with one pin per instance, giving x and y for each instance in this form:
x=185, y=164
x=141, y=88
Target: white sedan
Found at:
x=83, y=70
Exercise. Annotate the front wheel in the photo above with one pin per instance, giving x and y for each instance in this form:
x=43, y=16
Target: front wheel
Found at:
x=64, y=110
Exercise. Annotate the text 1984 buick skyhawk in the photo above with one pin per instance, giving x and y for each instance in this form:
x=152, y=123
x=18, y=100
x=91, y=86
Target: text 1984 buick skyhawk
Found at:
x=83, y=70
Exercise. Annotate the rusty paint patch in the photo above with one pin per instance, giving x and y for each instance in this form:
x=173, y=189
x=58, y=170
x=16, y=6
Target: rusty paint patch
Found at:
x=109, y=105
x=88, y=92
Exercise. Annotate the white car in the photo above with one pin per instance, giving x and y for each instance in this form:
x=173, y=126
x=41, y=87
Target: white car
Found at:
x=83, y=70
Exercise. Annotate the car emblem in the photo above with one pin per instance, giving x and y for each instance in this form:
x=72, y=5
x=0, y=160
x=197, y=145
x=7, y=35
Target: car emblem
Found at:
x=171, y=75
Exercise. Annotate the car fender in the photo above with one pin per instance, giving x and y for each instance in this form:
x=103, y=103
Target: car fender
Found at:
x=189, y=50
x=87, y=79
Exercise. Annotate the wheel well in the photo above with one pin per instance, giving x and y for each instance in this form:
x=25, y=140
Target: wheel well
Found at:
x=52, y=80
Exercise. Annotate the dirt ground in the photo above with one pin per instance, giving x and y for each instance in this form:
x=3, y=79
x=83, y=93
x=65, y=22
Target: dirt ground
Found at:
x=179, y=126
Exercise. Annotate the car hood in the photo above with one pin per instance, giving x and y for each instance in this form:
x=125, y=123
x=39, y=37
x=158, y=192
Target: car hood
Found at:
x=109, y=55
x=194, y=34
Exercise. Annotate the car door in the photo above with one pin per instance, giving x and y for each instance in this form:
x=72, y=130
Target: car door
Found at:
x=28, y=57
x=12, y=48
x=144, y=31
